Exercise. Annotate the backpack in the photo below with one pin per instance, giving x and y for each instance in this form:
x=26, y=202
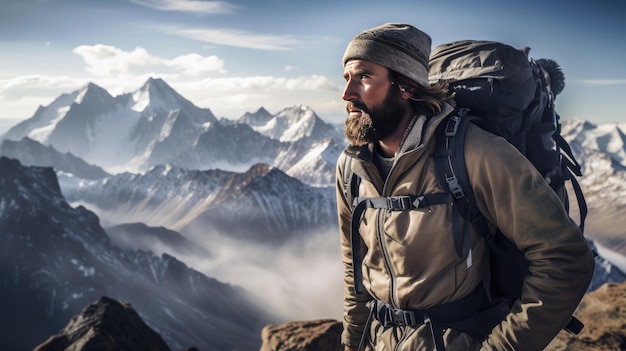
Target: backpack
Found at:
x=500, y=89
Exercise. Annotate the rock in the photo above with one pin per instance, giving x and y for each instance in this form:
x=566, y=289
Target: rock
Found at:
x=317, y=335
x=604, y=314
x=105, y=325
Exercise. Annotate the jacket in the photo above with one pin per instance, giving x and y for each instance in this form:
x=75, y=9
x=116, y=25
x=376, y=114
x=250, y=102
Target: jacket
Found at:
x=409, y=259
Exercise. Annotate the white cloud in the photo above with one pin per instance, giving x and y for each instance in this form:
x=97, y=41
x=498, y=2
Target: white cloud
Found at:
x=194, y=64
x=195, y=6
x=238, y=38
x=290, y=68
x=604, y=81
x=105, y=61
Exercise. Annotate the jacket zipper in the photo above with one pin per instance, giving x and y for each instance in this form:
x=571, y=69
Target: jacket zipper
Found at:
x=393, y=293
x=386, y=257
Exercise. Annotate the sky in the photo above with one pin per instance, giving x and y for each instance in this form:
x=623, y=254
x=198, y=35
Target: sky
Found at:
x=236, y=56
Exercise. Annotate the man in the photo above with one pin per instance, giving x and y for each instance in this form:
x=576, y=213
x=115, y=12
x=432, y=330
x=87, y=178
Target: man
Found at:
x=418, y=293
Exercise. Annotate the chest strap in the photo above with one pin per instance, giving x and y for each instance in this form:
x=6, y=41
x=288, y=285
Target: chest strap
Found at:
x=391, y=203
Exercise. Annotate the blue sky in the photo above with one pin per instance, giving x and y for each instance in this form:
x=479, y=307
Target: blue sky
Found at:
x=236, y=56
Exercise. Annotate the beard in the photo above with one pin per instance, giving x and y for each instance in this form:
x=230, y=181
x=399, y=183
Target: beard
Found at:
x=375, y=122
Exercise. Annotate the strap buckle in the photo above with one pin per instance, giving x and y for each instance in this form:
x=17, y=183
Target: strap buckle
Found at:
x=455, y=187
x=399, y=203
x=399, y=318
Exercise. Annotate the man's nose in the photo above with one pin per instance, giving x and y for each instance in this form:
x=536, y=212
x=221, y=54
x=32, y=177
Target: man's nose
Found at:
x=349, y=93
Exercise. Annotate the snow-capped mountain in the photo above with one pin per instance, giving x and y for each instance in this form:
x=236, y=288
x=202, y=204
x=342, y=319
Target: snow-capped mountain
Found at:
x=601, y=151
x=297, y=123
x=55, y=259
x=155, y=125
x=262, y=204
x=117, y=132
x=33, y=153
x=256, y=119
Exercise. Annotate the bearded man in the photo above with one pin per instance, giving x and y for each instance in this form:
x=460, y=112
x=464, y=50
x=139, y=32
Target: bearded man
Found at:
x=406, y=286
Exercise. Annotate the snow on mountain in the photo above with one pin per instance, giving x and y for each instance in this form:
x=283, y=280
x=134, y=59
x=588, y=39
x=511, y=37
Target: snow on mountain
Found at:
x=56, y=259
x=265, y=205
x=256, y=119
x=155, y=125
x=31, y=153
x=261, y=204
x=117, y=133
x=601, y=152
x=296, y=123
x=44, y=120
x=314, y=164
x=164, y=196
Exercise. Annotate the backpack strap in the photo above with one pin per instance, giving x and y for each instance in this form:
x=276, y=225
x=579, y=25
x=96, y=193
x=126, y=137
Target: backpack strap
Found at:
x=452, y=175
x=351, y=182
x=391, y=203
x=571, y=167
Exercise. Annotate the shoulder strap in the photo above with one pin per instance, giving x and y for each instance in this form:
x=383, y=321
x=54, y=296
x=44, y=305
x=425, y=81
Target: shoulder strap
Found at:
x=351, y=182
x=451, y=174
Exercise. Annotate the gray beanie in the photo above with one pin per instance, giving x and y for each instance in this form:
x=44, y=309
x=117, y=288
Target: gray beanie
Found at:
x=399, y=47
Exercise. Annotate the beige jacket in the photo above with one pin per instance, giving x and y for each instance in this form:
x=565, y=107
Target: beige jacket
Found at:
x=409, y=258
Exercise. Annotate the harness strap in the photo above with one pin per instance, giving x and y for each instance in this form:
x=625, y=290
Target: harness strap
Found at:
x=474, y=314
x=391, y=203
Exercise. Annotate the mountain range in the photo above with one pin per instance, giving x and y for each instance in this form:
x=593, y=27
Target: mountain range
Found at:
x=147, y=185
x=155, y=126
x=55, y=259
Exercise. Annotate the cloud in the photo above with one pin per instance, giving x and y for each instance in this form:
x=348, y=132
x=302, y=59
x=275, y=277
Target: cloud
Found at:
x=237, y=38
x=194, y=6
x=604, y=81
x=105, y=61
x=300, y=279
x=35, y=85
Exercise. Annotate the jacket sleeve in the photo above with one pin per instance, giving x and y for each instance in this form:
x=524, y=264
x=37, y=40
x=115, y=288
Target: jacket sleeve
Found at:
x=513, y=195
x=355, y=311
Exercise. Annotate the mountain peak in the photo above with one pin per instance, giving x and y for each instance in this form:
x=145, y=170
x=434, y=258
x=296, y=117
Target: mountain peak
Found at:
x=157, y=95
x=91, y=92
x=106, y=322
x=255, y=119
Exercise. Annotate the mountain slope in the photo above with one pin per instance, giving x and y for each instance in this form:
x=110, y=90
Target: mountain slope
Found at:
x=55, y=259
x=261, y=204
x=32, y=153
x=601, y=152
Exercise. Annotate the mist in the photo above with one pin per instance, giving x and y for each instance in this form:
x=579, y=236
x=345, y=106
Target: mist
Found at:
x=301, y=279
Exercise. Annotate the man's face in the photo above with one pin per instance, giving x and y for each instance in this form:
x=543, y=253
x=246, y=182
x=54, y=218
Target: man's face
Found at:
x=375, y=106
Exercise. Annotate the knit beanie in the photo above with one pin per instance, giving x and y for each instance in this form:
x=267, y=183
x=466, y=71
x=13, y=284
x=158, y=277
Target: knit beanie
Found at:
x=399, y=47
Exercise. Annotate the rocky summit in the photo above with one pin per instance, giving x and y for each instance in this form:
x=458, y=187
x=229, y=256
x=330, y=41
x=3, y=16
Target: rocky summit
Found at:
x=106, y=325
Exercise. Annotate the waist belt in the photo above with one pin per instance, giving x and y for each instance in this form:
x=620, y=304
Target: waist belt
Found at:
x=475, y=314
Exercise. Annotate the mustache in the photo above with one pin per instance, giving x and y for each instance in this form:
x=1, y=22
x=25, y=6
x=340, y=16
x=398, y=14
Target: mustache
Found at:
x=356, y=105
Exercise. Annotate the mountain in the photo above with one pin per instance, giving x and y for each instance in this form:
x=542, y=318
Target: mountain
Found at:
x=55, y=259
x=159, y=240
x=601, y=151
x=106, y=325
x=117, y=132
x=33, y=153
x=262, y=204
x=296, y=123
x=155, y=125
x=256, y=119
x=265, y=205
